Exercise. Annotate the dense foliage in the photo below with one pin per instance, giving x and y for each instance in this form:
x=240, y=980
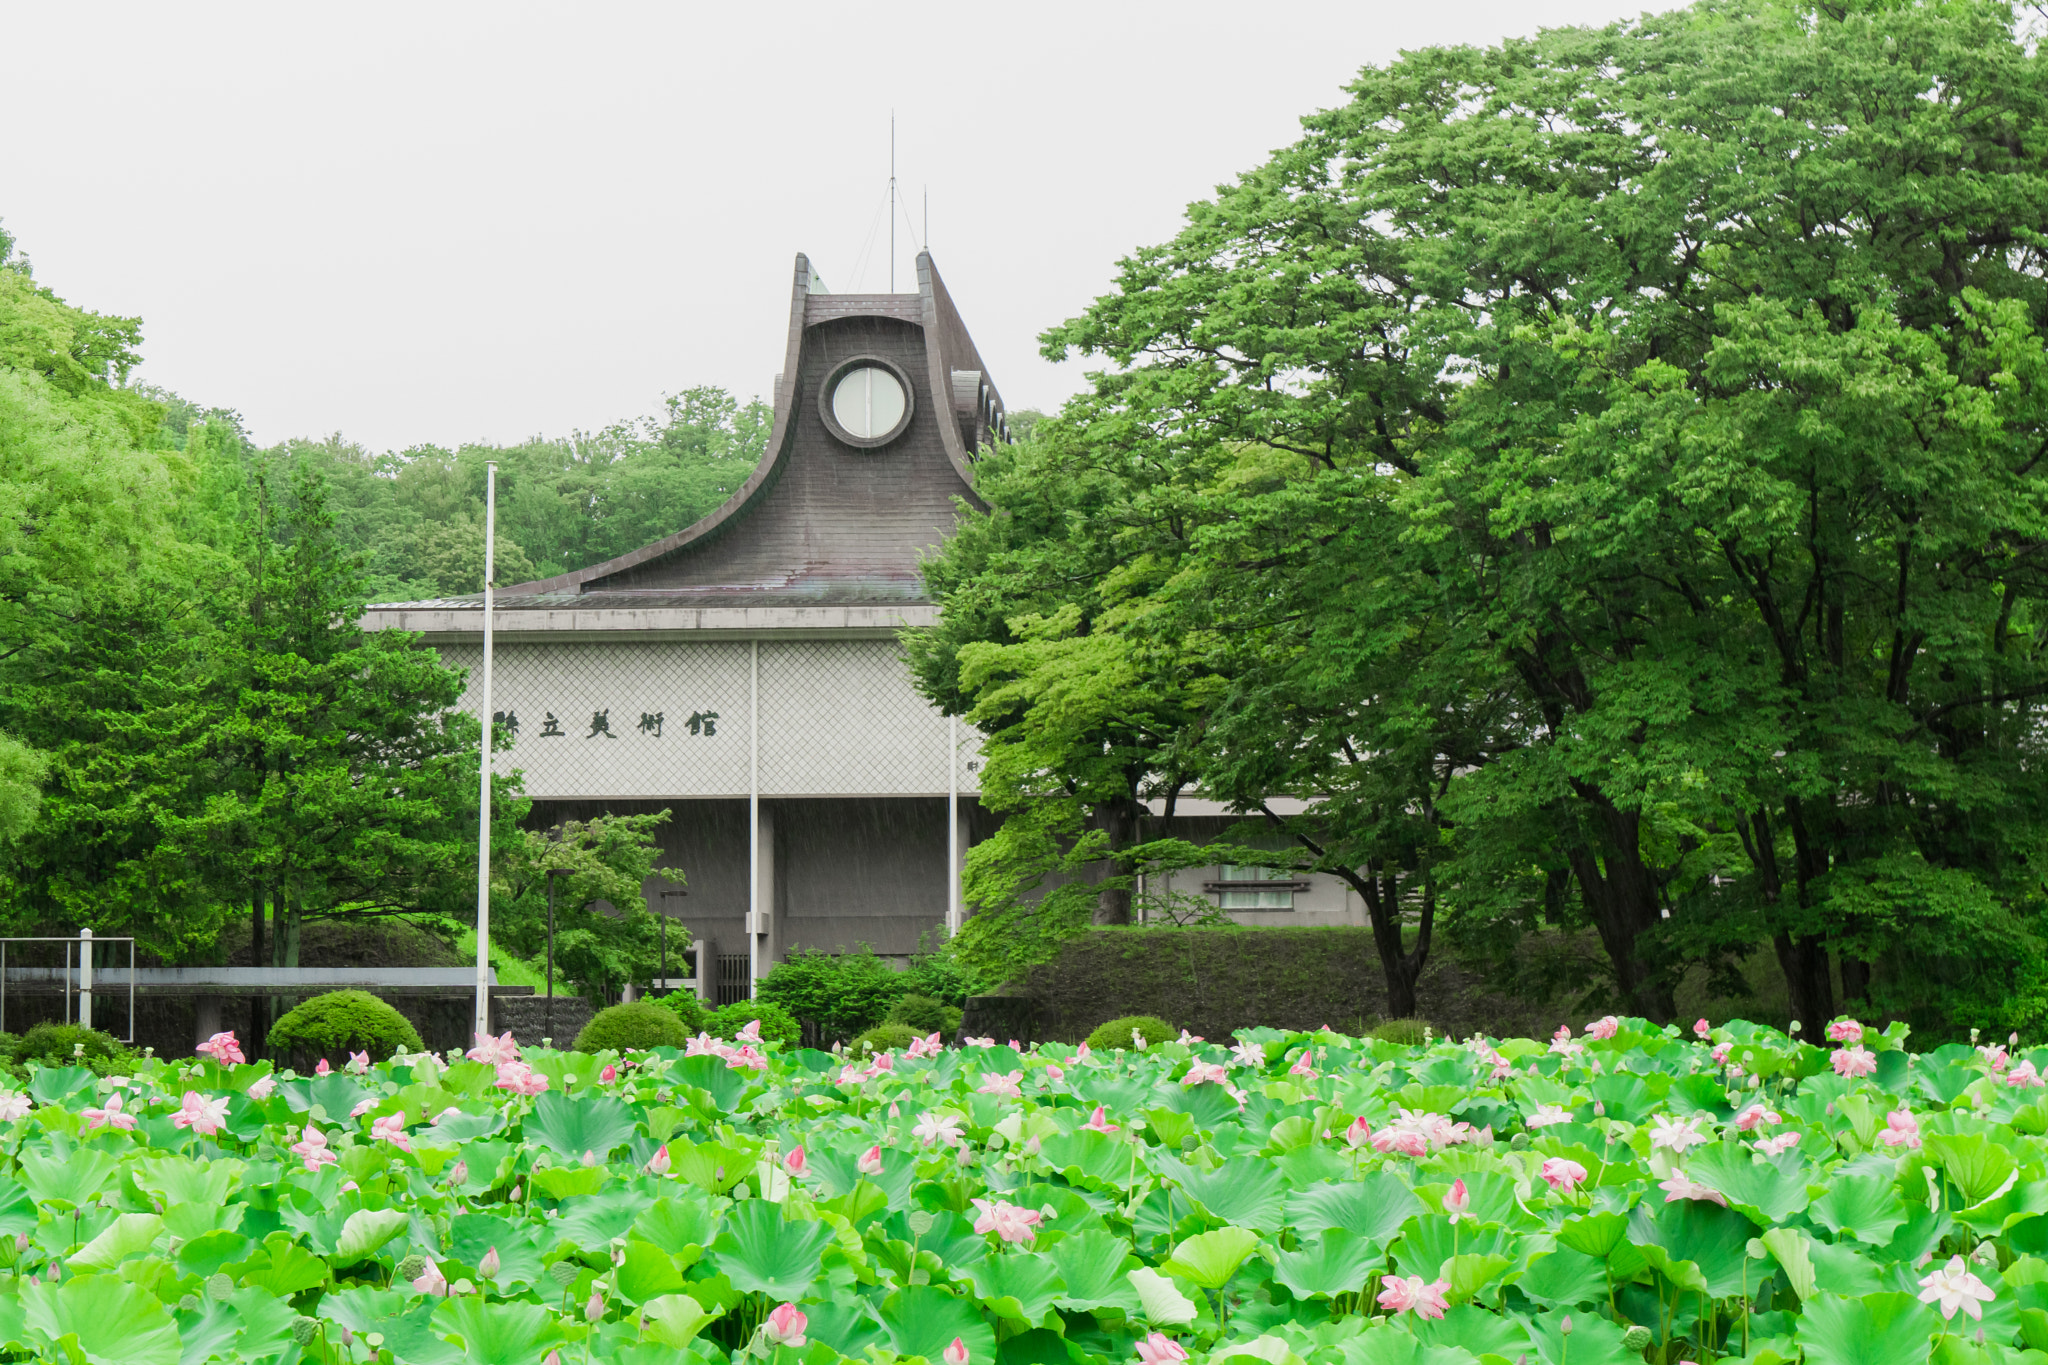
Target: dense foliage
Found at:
x=343, y=1022
x=636, y=1025
x=1603, y=473
x=193, y=728
x=1299, y=1199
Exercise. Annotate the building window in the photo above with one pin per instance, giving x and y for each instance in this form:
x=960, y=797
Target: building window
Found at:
x=1257, y=897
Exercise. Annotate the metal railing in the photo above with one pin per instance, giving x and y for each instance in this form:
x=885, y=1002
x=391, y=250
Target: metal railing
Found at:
x=74, y=977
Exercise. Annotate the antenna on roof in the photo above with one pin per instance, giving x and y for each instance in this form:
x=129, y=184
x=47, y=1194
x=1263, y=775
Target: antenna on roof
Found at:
x=892, y=201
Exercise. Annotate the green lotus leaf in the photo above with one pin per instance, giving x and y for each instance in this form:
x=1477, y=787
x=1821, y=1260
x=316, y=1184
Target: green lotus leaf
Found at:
x=647, y=1272
x=1973, y=1163
x=562, y=1182
x=1876, y=1329
x=1866, y=1207
x=365, y=1231
x=1093, y=1266
x=1161, y=1303
x=673, y=1319
x=1019, y=1285
x=1761, y=1189
x=573, y=1127
x=1209, y=1259
x=107, y=1320
x=1337, y=1263
x=497, y=1333
x=762, y=1251
x=1243, y=1191
x=923, y=1320
x=129, y=1235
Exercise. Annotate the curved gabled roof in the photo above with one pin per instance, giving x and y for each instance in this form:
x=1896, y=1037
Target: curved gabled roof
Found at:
x=820, y=522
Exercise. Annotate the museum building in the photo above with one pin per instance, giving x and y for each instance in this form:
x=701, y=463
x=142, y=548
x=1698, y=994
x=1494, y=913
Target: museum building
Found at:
x=745, y=672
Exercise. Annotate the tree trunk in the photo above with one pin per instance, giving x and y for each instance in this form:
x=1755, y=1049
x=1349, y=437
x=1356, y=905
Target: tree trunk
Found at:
x=1119, y=820
x=1855, y=979
x=259, y=1023
x=1620, y=897
x=1805, y=961
x=1381, y=892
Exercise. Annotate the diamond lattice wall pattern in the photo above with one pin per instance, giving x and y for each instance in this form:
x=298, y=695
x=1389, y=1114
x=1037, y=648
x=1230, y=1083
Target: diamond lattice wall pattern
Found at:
x=671, y=719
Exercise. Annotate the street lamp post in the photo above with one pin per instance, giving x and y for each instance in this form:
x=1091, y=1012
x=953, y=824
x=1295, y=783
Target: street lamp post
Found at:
x=553, y=874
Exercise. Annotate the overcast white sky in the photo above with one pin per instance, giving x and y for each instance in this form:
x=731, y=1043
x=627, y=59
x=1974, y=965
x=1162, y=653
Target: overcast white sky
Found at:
x=443, y=223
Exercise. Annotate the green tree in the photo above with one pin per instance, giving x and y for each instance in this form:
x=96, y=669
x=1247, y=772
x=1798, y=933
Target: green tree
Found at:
x=605, y=934
x=1600, y=471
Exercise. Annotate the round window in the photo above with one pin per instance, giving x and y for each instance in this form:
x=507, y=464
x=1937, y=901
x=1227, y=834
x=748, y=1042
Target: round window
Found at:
x=867, y=403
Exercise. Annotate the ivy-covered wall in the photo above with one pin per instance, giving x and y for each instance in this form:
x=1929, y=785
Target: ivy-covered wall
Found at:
x=1212, y=981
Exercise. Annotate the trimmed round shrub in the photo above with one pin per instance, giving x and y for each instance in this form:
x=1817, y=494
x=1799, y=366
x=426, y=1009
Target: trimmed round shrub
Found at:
x=340, y=1022
x=629, y=1028
x=921, y=1013
x=883, y=1037
x=687, y=1008
x=51, y=1044
x=1408, y=1032
x=777, y=1026
x=1117, y=1032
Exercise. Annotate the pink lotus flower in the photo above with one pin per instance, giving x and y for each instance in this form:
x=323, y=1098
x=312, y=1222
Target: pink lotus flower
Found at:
x=1953, y=1287
x=1206, y=1073
x=747, y=1059
x=223, y=1048
x=1006, y=1087
x=13, y=1105
x=1099, y=1121
x=1700, y=1029
x=1358, y=1134
x=2024, y=1077
x=785, y=1326
x=1845, y=1031
x=750, y=1034
x=1458, y=1200
x=704, y=1045
x=312, y=1149
x=450, y=1112
x=1994, y=1056
x=1680, y=1186
x=359, y=1062
x=1676, y=1134
x=1247, y=1053
x=391, y=1129
x=1160, y=1349
x=1776, y=1146
x=1719, y=1053
x=1754, y=1115
x=870, y=1162
x=111, y=1115
x=658, y=1164
x=431, y=1281
x=1081, y=1053
x=608, y=1075
x=494, y=1051
x=978, y=1042
x=262, y=1086
x=363, y=1106
x=1187, y=1039
x=1399, y=1294
x=322, y=1069
x=203, y=1116
x=1007, y=1221
x=796, y=1163
x=1055, y=1074
x=1605, y=1027
x=1562, y=1173
x=1545, y=1115
x=520, y=1079
x=927, y=1046
x=939, y=1128
x=1901, y=1129
x=882, y=1065
x=1854, y=1061
x=956, y=1354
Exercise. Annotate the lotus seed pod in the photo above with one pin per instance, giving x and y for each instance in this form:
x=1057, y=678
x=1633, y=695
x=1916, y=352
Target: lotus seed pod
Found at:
x=921, y=1222
x=564, y=1273
x=303, y=1329
x=219, y=1287
x=412, y=1267
x=1519, y=1141
x=1636, y=1338
x=189, y=1304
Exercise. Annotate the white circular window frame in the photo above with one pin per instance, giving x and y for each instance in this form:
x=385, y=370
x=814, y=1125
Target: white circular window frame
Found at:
x=831, y=386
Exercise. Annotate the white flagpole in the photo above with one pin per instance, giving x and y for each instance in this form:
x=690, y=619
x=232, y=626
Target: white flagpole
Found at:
x=483, y=841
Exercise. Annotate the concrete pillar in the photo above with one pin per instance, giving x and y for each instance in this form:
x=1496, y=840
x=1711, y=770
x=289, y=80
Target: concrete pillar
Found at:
x=764, y=927
x=206, y=1018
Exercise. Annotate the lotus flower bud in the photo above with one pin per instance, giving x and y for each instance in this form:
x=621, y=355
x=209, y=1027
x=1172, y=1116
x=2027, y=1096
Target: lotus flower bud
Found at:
x=488, y=1266
x=594, y=1310
x=957, y=1353
x=458, y=1174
